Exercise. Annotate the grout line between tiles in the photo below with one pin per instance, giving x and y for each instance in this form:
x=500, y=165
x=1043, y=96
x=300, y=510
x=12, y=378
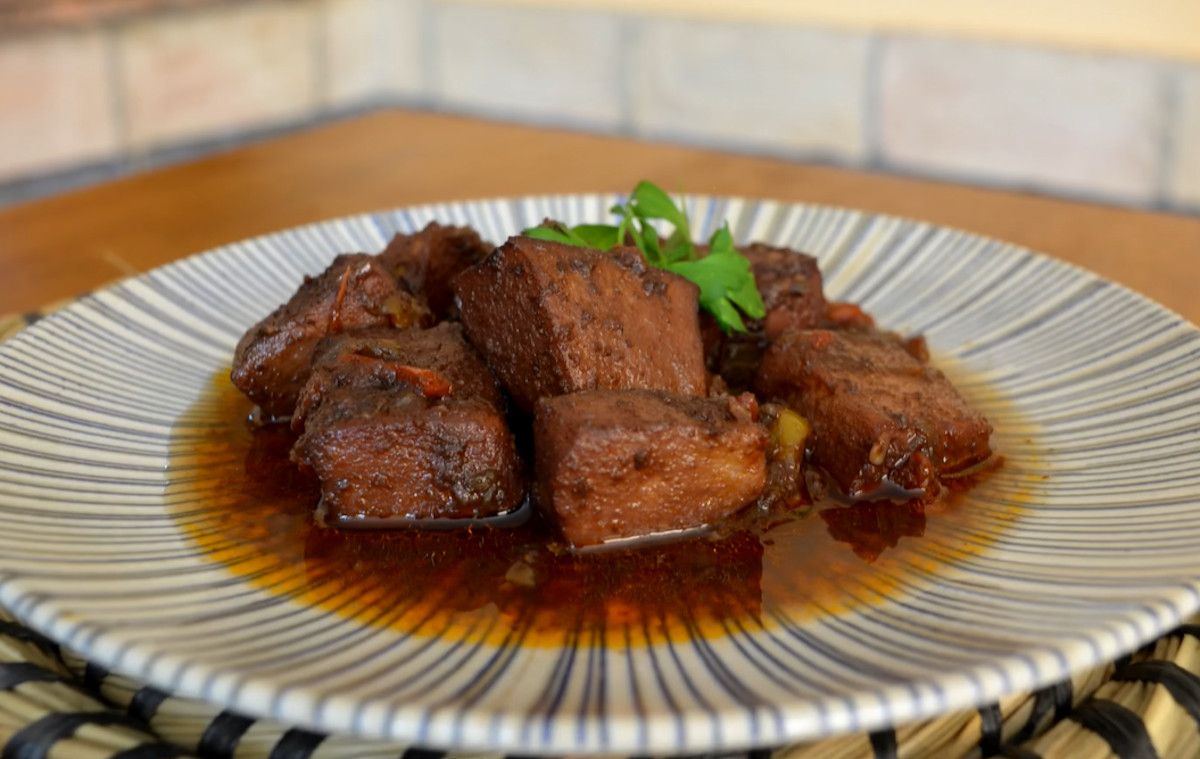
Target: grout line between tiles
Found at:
x=430, y=74
x=629, y=34
x=114, y=74
x=1170, y=86
x=322, y=93
x=872, y=105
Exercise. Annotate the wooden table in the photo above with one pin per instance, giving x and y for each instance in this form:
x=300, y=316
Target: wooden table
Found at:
x=68, y=244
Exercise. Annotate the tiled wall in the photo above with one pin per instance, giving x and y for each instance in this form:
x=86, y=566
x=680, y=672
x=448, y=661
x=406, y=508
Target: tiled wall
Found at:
x=80, y=102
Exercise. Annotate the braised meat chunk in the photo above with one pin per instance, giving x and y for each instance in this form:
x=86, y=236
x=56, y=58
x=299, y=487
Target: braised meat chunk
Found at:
x=386, y=457
x=553, y=319
x=878, y=415
x=272, y=360
x=791, y=288
x=406, y=425
x=427, y=262
x=622, y=464
x=435, y=362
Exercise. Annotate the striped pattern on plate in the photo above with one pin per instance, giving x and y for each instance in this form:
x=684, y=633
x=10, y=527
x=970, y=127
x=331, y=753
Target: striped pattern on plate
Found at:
x=48, y=696
x=1093, y=390
x=53, y=703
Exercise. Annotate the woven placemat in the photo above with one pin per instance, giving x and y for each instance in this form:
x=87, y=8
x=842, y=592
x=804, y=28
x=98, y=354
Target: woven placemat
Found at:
x=55, y=704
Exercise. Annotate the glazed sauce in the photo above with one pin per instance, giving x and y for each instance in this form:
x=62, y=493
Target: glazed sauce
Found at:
x=242, y=501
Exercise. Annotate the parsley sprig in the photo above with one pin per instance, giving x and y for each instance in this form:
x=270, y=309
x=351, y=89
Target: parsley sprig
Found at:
x=727, y=287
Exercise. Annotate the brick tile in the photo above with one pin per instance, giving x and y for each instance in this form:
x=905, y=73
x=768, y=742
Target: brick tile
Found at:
x=373, y=50
x=218, y=70
x=1184, y=175
x=55, y=103
x=786, y=88
x=535, y=63
x=1050, y=120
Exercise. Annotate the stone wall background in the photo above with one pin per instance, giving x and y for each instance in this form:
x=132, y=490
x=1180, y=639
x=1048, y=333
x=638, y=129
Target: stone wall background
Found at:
x=93, y=90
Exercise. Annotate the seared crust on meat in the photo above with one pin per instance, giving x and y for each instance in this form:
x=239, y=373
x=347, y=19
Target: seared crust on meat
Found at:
x=427, y=262
x=877, y=413
x=618, y=464
x=553, y=319
x=406, y=425
x=791, y=288
x=412, y=360
x=272, y=361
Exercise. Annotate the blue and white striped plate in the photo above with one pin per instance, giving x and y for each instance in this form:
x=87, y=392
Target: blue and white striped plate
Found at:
x=1083, y=545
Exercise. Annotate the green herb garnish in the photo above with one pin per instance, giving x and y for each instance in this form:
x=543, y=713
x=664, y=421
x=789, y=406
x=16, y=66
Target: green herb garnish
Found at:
x=727, y=288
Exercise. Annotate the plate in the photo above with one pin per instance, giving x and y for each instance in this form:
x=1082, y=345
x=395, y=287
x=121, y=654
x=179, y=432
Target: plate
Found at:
x=1082, y=545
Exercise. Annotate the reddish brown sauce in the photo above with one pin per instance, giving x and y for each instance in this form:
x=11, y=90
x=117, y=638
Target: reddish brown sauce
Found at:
x=246, y=506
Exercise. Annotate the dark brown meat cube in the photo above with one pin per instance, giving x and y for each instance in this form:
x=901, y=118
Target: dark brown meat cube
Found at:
x=553, y=319
x=402, y=424
x=427, y=262
x=791, y=288
x=434, y=362
x=272, y=361
x=624, y=464
x=877, y=413
x=385, y=456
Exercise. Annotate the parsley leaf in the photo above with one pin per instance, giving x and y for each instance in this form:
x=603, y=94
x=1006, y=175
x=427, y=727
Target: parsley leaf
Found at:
x=598, y=236
x=724, y=276
x=556, y=231
x=725, y=280
x=650, y=202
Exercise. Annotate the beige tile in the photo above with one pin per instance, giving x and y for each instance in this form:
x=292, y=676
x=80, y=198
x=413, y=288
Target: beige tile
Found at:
x=1184, y=173
x=548, y=65
x=55, y=103
x=372, y=50
x=791, y=89
x=1055, y=121
x=218, y=70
